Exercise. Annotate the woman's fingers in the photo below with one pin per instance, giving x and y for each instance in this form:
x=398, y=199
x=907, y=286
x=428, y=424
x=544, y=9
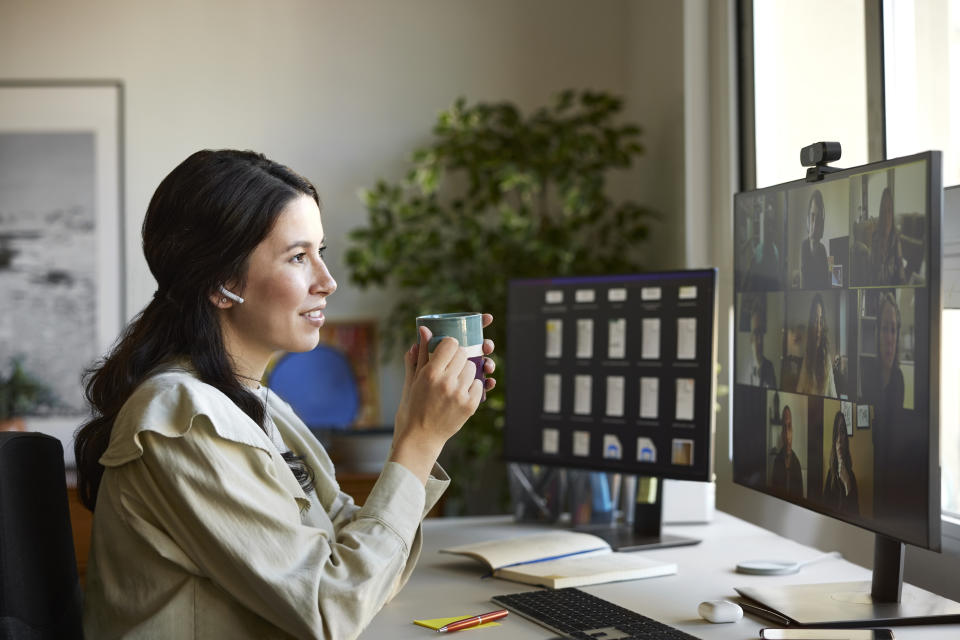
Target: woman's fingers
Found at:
x=486, y=319
x=488, y=346
x=423, y=354
x=457, y=361
x=445, y=351
x=489, y=366
x=476, y=394
x=468, y=373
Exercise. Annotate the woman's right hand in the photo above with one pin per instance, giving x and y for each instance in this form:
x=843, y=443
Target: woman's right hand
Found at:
x=440, y=392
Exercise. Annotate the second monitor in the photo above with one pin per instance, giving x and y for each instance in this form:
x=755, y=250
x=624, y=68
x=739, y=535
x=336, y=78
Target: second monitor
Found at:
x=614, y=373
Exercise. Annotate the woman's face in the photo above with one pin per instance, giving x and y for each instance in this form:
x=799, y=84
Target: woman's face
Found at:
x=286, y=289
x=888, y=335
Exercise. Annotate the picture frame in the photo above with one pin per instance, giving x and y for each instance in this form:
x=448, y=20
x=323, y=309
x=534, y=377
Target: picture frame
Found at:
x=333, y=386
x=62, y=259
x=848, y=409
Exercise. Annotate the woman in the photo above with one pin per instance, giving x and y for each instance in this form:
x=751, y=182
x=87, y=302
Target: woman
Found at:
x=840, y=488
x=763, y=274
x=884, y=384
x=217, y=512
x=898, y=450
x=816, y=372
x=814, y=267
x=786, y=474
x=886, y=253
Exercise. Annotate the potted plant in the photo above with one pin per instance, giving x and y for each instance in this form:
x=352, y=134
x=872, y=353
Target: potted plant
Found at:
x=498, y=195
x=20, y=394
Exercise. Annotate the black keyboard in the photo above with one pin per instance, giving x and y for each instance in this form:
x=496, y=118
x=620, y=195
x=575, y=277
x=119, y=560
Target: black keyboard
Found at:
x=576, y=614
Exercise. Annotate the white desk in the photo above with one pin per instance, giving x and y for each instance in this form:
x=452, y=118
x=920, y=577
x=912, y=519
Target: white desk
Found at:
x=446, y=585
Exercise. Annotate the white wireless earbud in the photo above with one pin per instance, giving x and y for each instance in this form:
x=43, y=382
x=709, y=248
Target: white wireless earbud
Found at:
x=231, y=295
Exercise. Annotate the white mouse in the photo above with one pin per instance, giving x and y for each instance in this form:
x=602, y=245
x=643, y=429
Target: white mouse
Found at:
x=720, y=611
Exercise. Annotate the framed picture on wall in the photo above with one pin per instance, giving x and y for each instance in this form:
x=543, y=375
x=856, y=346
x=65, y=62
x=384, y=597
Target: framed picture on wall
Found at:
x=357, y=340
x=61, y=237
x=334, y=386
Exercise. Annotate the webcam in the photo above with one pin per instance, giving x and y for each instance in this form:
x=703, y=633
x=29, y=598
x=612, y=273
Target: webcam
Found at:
x=816, y=156
x=819, y=153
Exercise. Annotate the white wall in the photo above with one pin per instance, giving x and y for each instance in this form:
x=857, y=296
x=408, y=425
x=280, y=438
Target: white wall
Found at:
x=655, y=99
x=343, y=91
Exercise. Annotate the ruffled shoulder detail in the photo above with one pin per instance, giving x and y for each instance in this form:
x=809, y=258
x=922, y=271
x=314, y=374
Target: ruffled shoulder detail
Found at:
x=168, y=403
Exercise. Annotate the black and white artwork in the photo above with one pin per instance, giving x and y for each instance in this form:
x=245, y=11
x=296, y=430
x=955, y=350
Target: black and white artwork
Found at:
x=61, y=230
x=48, y=245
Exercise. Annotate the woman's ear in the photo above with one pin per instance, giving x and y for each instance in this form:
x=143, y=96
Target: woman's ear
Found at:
x=220, y=301
x=223, y=298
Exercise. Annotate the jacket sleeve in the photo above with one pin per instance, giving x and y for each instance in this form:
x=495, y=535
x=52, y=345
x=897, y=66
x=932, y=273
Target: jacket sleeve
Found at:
x=344, y=511
x=222, y=504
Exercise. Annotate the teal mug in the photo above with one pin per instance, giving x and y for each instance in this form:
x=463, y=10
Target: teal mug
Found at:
x=466, y=328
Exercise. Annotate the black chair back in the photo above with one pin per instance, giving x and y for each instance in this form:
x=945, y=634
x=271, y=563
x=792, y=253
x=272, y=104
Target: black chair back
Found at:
x=40, y=594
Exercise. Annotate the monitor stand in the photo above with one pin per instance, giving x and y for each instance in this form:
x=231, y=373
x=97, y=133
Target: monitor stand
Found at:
x=884, y=601
x=645, y=532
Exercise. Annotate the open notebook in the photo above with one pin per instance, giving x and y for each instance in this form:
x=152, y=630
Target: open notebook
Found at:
x=561, y=559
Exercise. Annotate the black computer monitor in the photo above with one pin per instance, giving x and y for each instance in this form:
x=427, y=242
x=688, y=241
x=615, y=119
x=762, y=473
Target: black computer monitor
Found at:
x=836, y=369
x=615, y=373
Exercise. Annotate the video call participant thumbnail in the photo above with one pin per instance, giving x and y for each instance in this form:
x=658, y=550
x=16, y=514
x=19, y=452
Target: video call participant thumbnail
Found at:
x=763, y=272
x=787, y=475
x=883, y=385
x=840, y=488
x=886, y=249
x=816, y=372
x=761, y=373
x=814, y=265
x=899, y=436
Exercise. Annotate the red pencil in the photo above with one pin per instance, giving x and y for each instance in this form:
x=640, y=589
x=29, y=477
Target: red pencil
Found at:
x=472, y=621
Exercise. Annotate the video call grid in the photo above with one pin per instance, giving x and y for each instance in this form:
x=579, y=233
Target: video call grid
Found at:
x=873, y=305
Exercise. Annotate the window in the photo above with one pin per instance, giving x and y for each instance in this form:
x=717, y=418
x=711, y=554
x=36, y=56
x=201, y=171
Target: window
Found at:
x=809, y=71
x=921, y=45
x=950, y=412
x=921, y=50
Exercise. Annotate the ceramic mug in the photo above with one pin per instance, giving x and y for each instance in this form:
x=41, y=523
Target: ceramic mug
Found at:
x=466, y=328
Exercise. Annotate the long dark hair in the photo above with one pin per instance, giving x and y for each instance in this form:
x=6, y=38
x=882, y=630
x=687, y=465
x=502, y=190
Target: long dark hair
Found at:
x=816, y=359
x=203, y=222
x=840, y=432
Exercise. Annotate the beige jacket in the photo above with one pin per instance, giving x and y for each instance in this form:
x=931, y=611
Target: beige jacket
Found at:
x=201, y=530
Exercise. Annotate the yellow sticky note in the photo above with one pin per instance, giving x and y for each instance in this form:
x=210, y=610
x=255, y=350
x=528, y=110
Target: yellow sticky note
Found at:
x=436, y=623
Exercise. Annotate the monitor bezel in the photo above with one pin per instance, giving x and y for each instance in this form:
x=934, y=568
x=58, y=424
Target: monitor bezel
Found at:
x=934, y=177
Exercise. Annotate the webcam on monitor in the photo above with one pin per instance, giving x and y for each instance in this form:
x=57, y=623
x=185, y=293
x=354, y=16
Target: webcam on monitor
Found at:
x=816, y=156
x=819, y=153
